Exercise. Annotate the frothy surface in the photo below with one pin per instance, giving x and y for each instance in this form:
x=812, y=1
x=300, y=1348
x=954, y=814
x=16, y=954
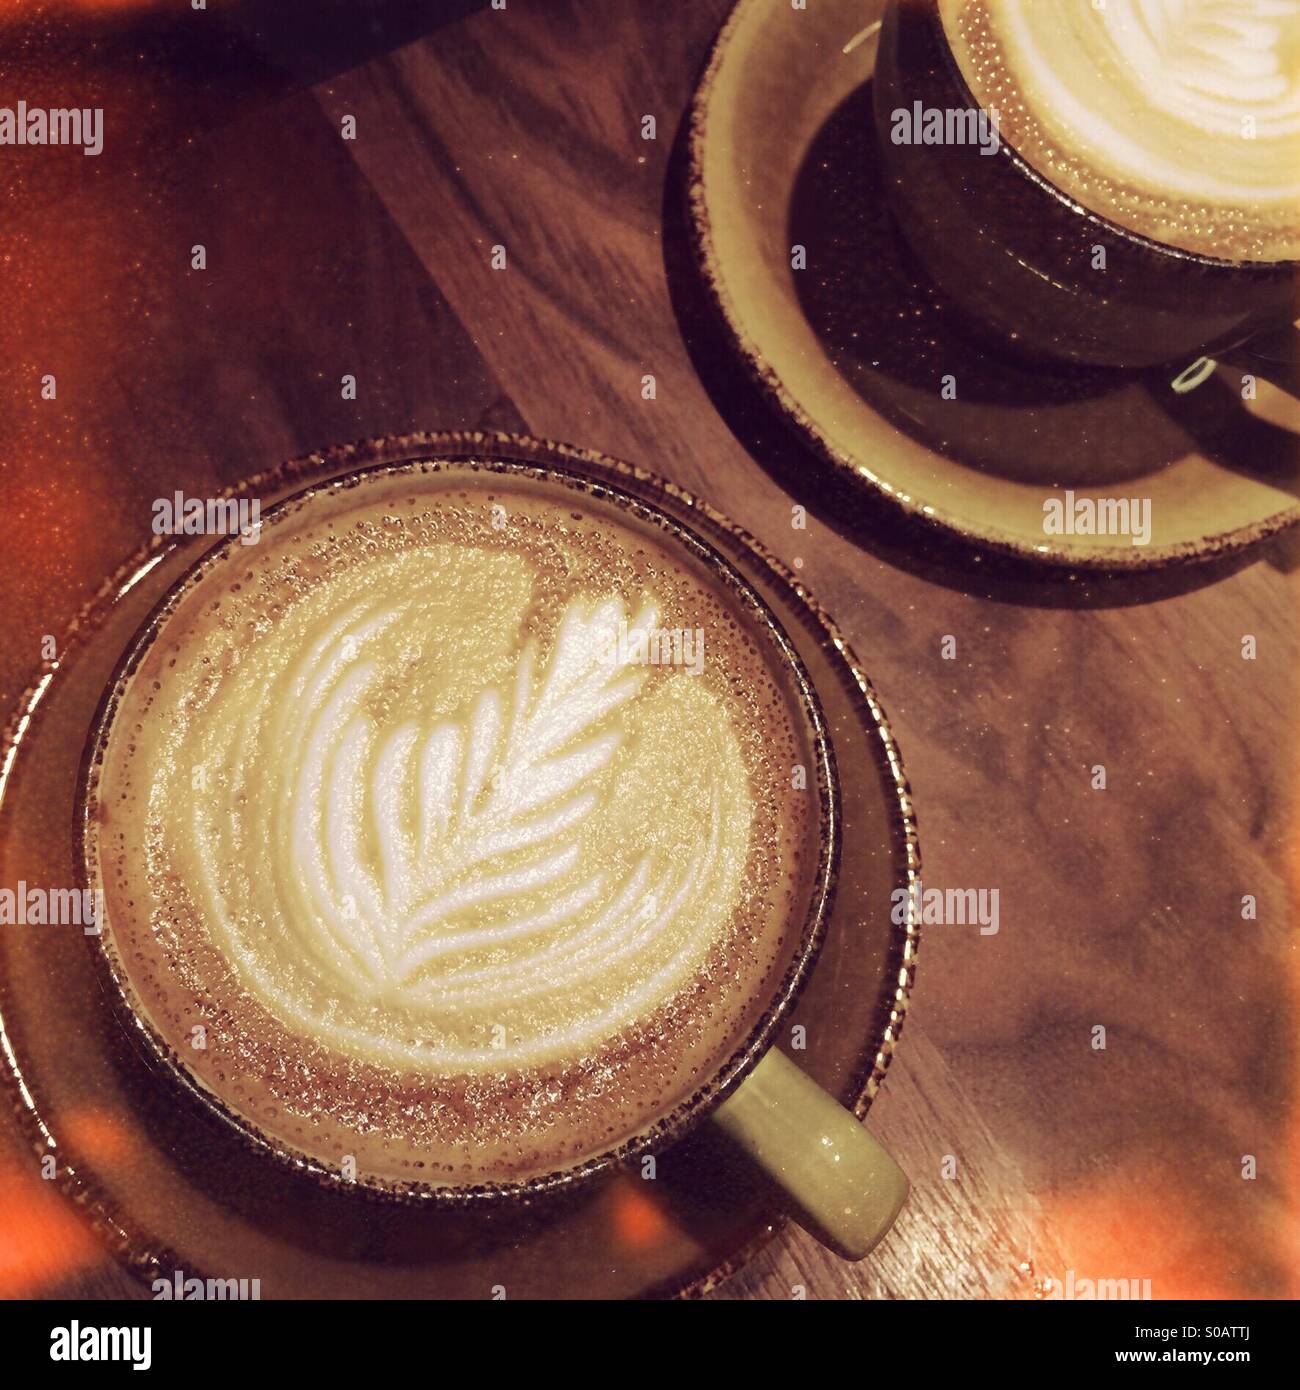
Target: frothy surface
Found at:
x=454, y=878
x=1178, y=119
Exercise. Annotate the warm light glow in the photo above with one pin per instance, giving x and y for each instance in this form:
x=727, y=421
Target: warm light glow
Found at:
x=43, y=1239
x=1132, y=1228
x=37, y=9
x=97, y=1137
x=639, y=1222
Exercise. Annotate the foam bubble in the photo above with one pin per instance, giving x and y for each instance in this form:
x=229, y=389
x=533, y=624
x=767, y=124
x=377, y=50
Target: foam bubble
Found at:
x=1178, y=119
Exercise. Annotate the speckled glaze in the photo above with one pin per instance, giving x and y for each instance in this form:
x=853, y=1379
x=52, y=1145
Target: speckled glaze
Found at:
x=142, y=1252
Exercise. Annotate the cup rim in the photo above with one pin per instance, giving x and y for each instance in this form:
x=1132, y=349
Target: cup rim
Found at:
x=1221, y=264
x=666, y=1129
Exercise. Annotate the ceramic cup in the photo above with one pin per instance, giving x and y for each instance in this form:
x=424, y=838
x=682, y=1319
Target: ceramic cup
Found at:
x=1020, y=259
x=835, y=1178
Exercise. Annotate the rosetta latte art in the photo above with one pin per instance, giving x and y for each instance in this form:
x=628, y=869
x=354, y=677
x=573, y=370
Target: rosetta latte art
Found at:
x=415, y=812
x=441, y=870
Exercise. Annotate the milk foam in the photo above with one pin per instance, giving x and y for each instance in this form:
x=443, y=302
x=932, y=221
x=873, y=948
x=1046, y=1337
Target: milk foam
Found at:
x=446, y=827
x=1179, y=119
x=466, y=878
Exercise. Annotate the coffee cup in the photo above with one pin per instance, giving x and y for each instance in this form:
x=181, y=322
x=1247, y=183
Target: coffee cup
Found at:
x=1107, y=184
x=472, y=832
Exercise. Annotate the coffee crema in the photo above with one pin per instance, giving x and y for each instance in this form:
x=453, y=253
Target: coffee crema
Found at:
x=396, y=810
x=1176, y=119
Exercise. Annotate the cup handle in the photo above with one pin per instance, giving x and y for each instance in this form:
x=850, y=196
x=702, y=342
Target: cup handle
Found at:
x=1274, y=356
x=841, y=1185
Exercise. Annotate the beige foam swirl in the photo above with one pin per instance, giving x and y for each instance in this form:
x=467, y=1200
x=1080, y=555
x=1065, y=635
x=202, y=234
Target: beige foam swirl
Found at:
x=1179, y=118
x=457, y=889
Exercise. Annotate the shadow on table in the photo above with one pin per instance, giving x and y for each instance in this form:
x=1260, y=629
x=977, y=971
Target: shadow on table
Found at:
x=208, y=65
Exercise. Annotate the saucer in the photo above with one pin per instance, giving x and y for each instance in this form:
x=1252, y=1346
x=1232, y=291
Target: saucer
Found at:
x=174, y=1195
x=854, y=348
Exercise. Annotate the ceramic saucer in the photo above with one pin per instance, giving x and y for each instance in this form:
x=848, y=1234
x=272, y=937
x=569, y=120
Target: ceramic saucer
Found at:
x=853, y=348
x=168, y=1190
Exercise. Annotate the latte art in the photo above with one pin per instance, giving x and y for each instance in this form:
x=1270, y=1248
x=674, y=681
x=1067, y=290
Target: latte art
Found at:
x=1178, y=119
x=396, y=809
x=465, y=873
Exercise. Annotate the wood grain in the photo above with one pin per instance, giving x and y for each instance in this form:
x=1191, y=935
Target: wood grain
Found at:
x=1031, y=1151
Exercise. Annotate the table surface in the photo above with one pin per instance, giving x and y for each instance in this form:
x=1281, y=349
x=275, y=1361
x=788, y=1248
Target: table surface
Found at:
x=1037, y=1158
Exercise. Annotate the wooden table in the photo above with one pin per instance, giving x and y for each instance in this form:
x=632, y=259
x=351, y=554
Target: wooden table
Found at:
x=1035, y=1155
